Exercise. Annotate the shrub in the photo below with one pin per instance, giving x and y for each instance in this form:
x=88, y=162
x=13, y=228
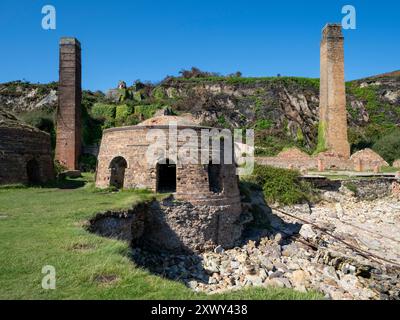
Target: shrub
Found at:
x=263, y=124
x=58, y=168
x=389, y=146
x=103, y=111
x=122, y=112
x=43, y=121
x=281, y=185
x=147, y=111
x=87, y=163
x=159, y=94
x=351, y=186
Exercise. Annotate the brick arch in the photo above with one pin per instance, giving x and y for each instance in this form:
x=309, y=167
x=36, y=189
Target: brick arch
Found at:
x=117, y=167
x=33, y=171
x=166, y=175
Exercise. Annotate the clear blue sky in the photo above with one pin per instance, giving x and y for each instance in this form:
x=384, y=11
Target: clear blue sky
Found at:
x=149, y=39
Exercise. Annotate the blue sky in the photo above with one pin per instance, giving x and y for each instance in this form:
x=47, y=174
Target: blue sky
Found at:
x=149, y=39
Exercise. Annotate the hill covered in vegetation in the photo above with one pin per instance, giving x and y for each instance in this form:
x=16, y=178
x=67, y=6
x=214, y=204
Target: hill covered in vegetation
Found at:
x=282, y=110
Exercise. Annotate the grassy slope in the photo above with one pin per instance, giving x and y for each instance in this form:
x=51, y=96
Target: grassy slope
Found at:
x=43, y=226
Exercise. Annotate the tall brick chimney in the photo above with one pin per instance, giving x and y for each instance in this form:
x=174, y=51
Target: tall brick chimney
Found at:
x=332, y=133
x=68, y=145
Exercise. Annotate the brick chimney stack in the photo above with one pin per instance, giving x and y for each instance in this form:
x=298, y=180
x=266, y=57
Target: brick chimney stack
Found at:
x=333, y=114
x=68, y=146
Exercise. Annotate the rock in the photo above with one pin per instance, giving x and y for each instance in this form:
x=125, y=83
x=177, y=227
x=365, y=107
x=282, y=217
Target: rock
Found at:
x=235, y=265
x=330, y=272
x=242, y=257
x=290, y=250
x=255, y=280
x=219, y=249
x=299, y=278
x=266, y=263
x=339, y=210
x=276, y=274
x=307, y=232
x=278, y=237
x=349, y=282
x=273, y=283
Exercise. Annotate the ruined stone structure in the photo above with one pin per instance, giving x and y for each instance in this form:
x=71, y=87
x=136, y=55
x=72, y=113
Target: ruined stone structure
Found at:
x=68, y=146
x=208, y=194
x=333, y=114
x=25, y=152
x=332, y=134
x=293, y=158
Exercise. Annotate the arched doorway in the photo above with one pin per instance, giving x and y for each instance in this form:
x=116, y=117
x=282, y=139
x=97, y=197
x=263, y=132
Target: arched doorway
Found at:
x=117, y=168
x=214, y=177
x=166, y=176
x=33, y=172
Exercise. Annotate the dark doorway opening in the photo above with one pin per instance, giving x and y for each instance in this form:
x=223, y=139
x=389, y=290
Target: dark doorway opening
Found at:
x=33, y=172
x=214, y=177
x=117, y=167
x=166, y=176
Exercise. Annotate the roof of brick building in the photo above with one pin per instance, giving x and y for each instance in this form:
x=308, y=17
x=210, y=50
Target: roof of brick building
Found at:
x=8, y=120
x=186, y=120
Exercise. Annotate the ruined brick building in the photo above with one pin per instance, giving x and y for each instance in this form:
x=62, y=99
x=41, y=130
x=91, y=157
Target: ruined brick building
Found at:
x=25, y=152
x=333, y=145
x=209, y=210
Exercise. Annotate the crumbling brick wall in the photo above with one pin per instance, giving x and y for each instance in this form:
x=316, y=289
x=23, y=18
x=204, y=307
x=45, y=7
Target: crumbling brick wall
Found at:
x=20, y=145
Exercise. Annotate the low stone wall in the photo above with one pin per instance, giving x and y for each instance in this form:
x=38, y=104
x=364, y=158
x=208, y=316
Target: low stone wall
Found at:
x=365, y=189
x=370, y=189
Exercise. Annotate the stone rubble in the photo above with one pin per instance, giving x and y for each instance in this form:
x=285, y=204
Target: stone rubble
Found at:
x=299, y=256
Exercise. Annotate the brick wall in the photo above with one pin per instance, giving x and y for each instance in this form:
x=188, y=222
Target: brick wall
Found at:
x=192, y=182
x=17, y=147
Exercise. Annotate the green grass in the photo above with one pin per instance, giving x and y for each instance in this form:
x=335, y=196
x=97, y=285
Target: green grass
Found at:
x=44, y=226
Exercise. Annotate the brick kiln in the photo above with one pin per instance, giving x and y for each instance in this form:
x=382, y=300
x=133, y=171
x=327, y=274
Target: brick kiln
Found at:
x=207, y=211
x=25, y=152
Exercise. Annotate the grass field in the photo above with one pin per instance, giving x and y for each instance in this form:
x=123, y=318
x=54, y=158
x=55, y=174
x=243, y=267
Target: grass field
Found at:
x=43, y=226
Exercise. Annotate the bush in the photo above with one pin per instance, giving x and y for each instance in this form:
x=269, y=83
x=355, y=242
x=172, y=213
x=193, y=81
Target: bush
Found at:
x=58, y=168
x=43, y=121
x=103, y=111
x=281, y=185
x=87, y=163
x=389, y=146
x=122, y=113
x=147, y=111
x=263, y=124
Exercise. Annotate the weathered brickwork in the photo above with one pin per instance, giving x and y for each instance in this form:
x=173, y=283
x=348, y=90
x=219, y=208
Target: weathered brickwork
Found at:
x=363, y=160
x=396, y=189
x=208, y=201
x=192, y=180
x=367, y=160
x=333, y=114
x=332, y=134
x=68, y=146
x=25, y=153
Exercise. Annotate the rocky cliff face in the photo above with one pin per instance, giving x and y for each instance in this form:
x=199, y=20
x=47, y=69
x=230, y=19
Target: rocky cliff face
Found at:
x=283, y=110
